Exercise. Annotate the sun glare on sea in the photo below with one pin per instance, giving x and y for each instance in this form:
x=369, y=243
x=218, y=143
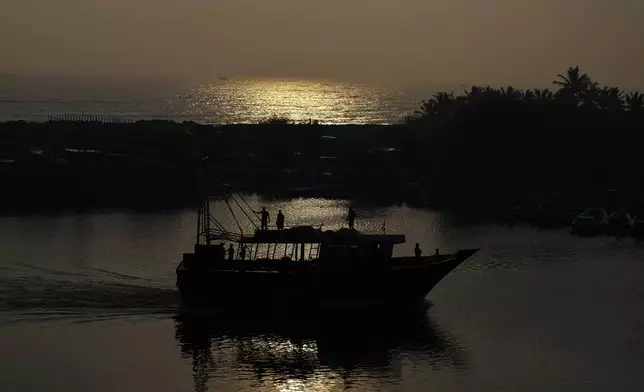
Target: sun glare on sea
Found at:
x=300, y=100
x=243, y=101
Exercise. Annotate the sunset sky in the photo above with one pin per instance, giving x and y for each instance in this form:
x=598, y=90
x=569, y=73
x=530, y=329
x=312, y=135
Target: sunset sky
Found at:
x=520, y=42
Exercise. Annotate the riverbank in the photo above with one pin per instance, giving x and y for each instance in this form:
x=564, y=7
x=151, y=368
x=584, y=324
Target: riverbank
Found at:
x=157, y=164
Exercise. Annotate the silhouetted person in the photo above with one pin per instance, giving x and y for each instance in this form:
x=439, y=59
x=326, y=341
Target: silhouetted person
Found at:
x=231, y=252
x=242, y=252
x=266, y=217
x=279, y=222
x=351, y=217
x=417, y=251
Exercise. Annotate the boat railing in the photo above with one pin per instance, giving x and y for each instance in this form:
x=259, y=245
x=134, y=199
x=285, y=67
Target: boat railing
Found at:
x=278, y=251
x=286, y=227
x=217, y=234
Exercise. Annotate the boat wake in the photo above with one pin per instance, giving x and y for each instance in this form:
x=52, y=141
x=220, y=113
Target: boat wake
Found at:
x=35, y=293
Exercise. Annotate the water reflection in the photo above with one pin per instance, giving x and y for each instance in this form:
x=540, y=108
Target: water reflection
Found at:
x=313, y=351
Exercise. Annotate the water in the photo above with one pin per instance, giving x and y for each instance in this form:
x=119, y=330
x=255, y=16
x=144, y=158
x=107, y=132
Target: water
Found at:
x=88, y=303
x=221, y=102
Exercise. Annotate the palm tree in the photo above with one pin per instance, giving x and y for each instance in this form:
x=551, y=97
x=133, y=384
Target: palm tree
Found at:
x=530, y=94
x=441, y=105
x=634, y=101
x=574, y=80
x=493, y=93
x=511, y=93
x=609, y=99
x=474, y=95
x=444, y=98
x=544, y=95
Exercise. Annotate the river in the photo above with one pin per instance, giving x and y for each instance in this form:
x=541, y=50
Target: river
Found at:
x=88, y=303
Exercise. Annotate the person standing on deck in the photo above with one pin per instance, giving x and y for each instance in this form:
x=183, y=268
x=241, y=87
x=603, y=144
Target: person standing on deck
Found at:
x=242, y=252
x=231, y=252
x=417, y=251
x=351, y=217
x=265, y=216
x=279, y=222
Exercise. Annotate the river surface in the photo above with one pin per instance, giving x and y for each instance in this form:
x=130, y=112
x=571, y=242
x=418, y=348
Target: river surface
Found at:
x=87, y=302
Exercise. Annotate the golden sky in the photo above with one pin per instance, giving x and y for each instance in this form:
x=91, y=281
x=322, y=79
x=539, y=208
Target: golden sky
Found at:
x=519, y=42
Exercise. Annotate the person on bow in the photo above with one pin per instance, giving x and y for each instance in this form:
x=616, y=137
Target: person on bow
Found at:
x=265, y=218
x=279, y=222
x=351, y=218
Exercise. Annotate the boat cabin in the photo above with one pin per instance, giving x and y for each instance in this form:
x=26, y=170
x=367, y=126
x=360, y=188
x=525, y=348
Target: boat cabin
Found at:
x=307, y=245
x=290, y=247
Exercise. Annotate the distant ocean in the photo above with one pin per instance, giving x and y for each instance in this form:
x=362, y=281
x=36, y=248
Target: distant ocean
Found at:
x=222, y=102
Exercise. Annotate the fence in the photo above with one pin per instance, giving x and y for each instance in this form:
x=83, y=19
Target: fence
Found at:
x=86, y=118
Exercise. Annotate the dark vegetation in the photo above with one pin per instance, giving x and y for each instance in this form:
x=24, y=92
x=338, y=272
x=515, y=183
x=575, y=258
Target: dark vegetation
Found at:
x=476, y=150
x=582, y=139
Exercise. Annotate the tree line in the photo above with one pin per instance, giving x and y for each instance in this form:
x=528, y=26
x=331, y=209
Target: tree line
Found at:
x=482, y=146
x=581, y=137
x=575, y=90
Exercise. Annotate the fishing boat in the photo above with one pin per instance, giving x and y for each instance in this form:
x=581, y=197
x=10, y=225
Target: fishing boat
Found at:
x=555, y=212
x=303, y=266
x=590, y=222
x=619, y=223
x=637, y=230
x=526, y=210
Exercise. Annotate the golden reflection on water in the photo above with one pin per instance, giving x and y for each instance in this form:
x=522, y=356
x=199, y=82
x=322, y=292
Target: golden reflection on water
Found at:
x=298, y=212
x=248, y=101
x=318, y=382
x=285, y=347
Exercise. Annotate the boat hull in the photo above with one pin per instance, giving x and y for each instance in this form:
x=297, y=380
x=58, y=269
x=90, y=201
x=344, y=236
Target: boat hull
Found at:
x=311, y=286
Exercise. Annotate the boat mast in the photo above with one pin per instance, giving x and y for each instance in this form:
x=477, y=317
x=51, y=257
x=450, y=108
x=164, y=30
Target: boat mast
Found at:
x=203, y=213
x=207, y=216
x=209, y=228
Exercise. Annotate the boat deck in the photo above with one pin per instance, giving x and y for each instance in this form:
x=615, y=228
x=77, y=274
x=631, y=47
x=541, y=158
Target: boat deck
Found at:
x=285, y=265
x=305, y=234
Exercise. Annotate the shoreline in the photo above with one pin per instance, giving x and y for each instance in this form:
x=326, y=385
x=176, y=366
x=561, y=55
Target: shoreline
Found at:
x=462, y=165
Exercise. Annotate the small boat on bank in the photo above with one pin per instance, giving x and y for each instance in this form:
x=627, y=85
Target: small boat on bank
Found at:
x=637, y=230
x=619, y=223
x=526, y=209
x=306, y=267
x=590, y=222
x=554, y=214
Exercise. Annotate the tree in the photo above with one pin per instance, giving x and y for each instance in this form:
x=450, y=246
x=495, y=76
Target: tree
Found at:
x=544, y=95
x=511, y=93
x=277, y=120
x=574, y=87
x=474, y=95
x=441, y=104
x=529, y=96
x=634, y=101
x=609, y=99
x=574, y=80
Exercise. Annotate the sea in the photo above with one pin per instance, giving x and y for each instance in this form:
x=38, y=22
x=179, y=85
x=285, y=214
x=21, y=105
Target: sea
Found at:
x=88, y=303
x=223, y=101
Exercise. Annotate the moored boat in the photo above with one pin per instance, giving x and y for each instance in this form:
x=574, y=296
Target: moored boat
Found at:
x=306, y=266
x=590, y=222
x=637, y=230
x=619, y=223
